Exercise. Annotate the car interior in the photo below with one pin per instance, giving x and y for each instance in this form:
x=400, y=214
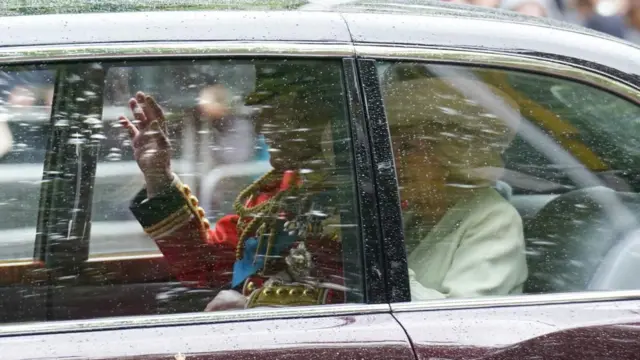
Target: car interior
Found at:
x=575, y=233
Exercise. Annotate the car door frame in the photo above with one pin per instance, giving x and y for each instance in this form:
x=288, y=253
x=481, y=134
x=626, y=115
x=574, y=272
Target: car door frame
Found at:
x=605, y=313
x=370, y=246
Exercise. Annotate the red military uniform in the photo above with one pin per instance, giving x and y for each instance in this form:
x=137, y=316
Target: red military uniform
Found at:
x=203, y=256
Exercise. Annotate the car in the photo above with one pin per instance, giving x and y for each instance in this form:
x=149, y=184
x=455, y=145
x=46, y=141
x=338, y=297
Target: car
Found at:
x=79, y=278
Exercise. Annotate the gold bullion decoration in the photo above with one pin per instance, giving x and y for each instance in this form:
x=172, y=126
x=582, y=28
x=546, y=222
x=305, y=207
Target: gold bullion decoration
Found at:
x=287, y=295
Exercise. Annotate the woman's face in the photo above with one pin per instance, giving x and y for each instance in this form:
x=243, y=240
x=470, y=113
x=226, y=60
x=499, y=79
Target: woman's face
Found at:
x=422, y=176
x=437, y=161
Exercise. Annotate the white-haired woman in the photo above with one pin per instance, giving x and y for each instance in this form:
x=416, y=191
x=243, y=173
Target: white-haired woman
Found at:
x=463, y=238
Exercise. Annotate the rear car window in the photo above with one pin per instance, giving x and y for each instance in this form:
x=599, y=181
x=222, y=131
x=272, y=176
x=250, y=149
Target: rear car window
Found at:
x=512, y=182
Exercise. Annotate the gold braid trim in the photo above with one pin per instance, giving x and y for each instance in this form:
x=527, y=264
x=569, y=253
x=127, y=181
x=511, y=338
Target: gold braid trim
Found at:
x=168, y=220
x=248, y=192
x=176, y=219
x=263, y=216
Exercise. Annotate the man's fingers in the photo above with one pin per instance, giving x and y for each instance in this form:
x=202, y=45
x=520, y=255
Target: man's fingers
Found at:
x=149, y=113
x=138, y=113
x=131, y=129
x=156, y=111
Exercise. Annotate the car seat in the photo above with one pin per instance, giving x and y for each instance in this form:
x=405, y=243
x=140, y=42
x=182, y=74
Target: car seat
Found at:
x=620, y=268
x=569, y=238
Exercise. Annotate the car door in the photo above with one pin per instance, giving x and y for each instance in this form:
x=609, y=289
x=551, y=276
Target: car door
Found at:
x=109, y=282
x=550, y=277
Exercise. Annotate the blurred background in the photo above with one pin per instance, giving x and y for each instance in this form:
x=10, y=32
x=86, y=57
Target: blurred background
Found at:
x=619, y=18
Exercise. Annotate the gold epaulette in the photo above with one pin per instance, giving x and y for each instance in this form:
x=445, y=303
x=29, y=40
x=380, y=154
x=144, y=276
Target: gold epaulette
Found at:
x=287, y=295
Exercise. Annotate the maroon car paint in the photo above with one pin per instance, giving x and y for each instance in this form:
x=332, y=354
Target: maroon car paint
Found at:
x=609, y=330
x=371, y=337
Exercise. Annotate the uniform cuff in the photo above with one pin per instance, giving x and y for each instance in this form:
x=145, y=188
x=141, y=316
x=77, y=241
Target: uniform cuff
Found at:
x=170, y=207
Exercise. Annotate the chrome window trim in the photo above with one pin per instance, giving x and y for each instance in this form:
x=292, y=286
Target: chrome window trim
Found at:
x=130, y=322
x=471, y=57
x=30, y=54
x=517, y=300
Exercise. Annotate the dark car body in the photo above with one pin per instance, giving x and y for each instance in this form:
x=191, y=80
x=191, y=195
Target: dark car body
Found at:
x=116, y=314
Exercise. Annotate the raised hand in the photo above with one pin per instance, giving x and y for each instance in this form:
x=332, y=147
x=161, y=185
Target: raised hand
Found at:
x=151, y=147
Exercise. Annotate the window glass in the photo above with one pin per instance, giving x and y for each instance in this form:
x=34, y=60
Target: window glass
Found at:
x=242, y=133
x=186, y=91
x=25, y=126
x=512, y=182
x=25, y=107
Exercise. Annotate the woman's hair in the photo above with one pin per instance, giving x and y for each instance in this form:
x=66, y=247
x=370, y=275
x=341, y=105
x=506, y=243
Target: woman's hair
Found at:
x=464, y=135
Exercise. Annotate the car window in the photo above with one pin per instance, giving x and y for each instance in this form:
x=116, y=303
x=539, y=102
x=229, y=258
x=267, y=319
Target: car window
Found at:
x=511, y=182
x=262, y=156
x=25, y=127
x=25, y=107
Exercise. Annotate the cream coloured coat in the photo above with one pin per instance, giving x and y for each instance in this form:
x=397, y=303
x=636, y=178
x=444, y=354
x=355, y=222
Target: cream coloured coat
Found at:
x=477, y=249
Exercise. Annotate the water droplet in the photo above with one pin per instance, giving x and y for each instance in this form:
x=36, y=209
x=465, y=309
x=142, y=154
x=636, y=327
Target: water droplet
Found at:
x=74, y=78
x=113, y=156
x=92, y=121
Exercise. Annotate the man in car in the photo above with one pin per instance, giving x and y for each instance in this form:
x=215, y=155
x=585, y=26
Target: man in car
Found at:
x=274, y=250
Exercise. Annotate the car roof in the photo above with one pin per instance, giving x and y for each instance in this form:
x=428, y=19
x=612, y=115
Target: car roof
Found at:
x=299, y=24
x=392, y=22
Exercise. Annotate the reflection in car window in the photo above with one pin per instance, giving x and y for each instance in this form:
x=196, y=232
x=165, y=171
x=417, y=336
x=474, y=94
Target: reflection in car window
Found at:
x=195, y=97
x=25, y=107
x=265, y=151
x=486, y=210
x=590, y=112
